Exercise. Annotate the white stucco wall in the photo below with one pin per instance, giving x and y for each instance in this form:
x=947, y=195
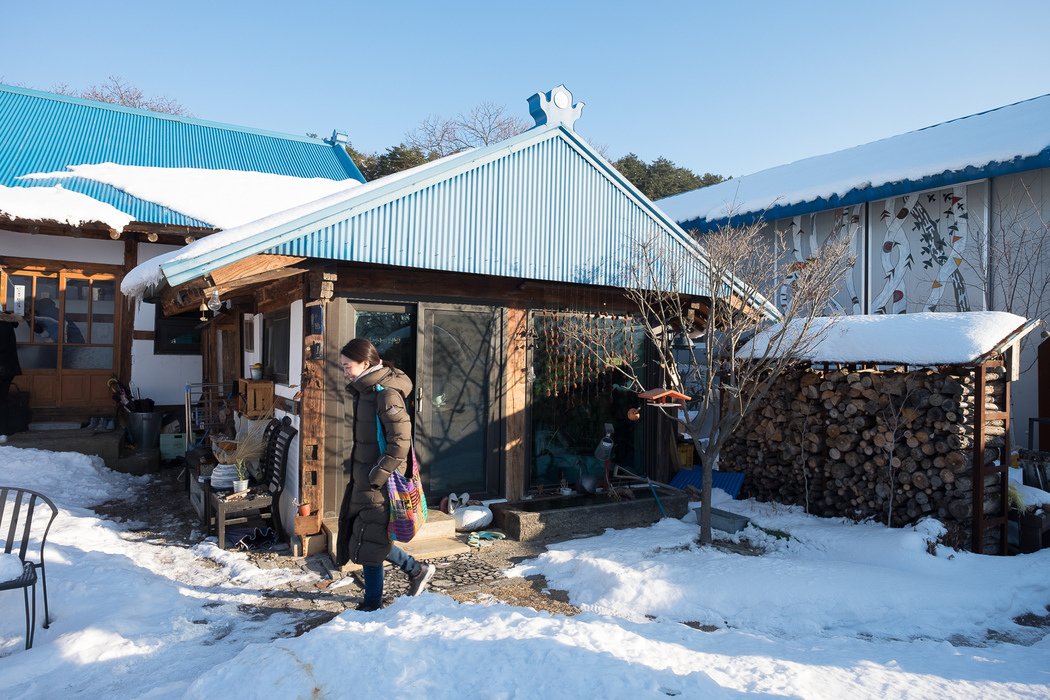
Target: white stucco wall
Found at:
x=162, y=378
x=27, y=245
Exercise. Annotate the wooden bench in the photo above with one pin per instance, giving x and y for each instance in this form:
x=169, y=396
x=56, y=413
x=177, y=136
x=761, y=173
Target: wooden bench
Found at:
x=263, y=500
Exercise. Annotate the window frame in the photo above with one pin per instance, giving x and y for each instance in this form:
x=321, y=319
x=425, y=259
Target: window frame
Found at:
x=276, y=346
x=167, y=327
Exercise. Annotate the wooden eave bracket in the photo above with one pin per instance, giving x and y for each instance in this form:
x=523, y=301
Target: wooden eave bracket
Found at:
x=236, y=279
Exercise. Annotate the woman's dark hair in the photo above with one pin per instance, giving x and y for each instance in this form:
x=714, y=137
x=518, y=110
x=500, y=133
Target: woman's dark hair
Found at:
x=361, y=350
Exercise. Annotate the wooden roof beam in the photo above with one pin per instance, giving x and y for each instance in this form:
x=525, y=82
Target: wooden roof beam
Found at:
x=236, y=279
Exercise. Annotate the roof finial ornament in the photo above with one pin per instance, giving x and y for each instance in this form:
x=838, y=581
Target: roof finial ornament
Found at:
x=555, y=107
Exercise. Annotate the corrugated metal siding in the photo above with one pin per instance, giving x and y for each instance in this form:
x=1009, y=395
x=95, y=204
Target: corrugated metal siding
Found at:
x=541, y=212
x=40, y=133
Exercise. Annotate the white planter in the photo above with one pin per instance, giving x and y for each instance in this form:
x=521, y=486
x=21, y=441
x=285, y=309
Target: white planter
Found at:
x=240, y=485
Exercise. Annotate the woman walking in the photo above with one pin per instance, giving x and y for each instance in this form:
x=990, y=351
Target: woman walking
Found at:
x=376, y=390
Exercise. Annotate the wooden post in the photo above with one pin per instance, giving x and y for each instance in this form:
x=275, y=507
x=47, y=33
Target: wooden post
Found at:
x=312, y=415
x=1043, y=378
x=126, y=325
x=516, y=401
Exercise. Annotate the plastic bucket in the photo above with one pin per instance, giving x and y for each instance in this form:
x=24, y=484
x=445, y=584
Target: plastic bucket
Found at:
x=145, y=429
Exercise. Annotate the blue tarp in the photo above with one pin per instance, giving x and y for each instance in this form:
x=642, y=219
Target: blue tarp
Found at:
x=727, y=481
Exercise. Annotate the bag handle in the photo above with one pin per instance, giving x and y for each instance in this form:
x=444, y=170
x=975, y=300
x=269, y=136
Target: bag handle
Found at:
x=381, y=439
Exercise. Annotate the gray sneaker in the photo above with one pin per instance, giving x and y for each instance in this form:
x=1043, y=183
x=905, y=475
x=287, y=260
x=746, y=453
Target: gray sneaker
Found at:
x=419, y=581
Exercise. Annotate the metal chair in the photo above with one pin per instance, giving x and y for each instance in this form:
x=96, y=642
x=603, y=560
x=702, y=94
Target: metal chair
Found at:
x=19, y=522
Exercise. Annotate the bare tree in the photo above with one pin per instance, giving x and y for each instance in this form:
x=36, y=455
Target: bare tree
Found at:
x=117, y=91
x=1012, y=261
x=714, y=307
x=895, y=417
x=484, y=124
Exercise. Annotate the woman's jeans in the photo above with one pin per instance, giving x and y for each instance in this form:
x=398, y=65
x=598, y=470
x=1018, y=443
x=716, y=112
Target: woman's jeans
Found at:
x=374, y=574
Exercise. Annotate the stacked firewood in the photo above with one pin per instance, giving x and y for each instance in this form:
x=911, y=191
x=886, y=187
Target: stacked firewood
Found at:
x=889, y=445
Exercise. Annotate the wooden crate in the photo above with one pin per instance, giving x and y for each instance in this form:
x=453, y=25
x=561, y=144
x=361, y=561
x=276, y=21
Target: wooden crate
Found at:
x=308, y=524
x=254, y=397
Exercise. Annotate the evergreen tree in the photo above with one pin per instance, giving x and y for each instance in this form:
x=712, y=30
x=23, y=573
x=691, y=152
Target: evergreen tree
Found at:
x=662, y=178
x=395, y=159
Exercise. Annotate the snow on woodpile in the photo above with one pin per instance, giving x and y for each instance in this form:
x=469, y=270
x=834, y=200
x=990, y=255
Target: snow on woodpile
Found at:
x=920, y=339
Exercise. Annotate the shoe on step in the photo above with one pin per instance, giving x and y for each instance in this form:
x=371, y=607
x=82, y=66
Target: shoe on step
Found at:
x=93, y=423
x=419, y=581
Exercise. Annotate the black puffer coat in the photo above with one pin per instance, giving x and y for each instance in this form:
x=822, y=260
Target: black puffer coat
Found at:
x=365, y=512
x=9, y=366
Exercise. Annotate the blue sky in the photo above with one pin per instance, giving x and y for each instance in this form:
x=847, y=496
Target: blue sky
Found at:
x=722, y=87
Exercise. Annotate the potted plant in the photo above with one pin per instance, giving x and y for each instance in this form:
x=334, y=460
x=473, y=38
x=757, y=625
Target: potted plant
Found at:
x=241, y=482
x=247, y=448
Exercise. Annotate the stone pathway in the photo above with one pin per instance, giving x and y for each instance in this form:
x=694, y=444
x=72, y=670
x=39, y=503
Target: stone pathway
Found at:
x=162, y=514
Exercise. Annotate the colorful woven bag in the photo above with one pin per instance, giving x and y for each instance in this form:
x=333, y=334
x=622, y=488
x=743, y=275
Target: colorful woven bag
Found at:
x=408, y=504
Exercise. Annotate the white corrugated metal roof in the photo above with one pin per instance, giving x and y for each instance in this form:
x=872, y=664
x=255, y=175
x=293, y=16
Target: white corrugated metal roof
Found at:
x=1013, y=138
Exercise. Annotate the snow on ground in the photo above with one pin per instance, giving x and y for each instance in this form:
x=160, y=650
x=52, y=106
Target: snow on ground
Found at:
x=837, y=610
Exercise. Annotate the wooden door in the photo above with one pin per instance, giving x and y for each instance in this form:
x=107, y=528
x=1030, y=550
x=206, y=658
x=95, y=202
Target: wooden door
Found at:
x=68, y=346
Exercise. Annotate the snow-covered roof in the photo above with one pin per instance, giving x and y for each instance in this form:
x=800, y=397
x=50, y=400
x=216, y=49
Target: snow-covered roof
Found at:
x=920, y=339
x=149, y=274
x=215, y=198
x=152, y=167
x=60, y=205
x=1009, y=139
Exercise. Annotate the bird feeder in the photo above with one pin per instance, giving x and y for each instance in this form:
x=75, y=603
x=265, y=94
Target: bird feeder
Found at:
x=664, y=397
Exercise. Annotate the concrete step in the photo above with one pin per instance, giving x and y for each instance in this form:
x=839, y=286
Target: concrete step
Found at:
x=437, y=539
x=438, y=526
x=437, y=547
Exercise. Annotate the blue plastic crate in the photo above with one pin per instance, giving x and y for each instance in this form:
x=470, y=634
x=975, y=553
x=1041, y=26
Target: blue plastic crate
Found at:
x=730, y=482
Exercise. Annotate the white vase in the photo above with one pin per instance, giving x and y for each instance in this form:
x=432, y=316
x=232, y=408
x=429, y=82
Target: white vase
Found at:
x=240, y=485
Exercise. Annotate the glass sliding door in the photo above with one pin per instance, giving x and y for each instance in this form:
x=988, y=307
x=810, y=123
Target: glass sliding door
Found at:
x=453, y=355
x=457, y=416
x=392, y=329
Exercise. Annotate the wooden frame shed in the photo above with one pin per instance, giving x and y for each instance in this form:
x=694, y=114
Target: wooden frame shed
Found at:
x=456, y=271
x=919, y=427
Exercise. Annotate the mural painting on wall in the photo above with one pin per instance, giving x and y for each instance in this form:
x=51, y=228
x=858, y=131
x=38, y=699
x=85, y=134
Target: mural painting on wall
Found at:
x=937, y=223
x=912, y=247
x=804, y=240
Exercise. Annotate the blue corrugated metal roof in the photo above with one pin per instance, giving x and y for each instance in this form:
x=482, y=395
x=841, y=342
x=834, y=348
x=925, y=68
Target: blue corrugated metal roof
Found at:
x=541, y=205
x=140, y=209
x=42, y=132
x=1011, y=139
